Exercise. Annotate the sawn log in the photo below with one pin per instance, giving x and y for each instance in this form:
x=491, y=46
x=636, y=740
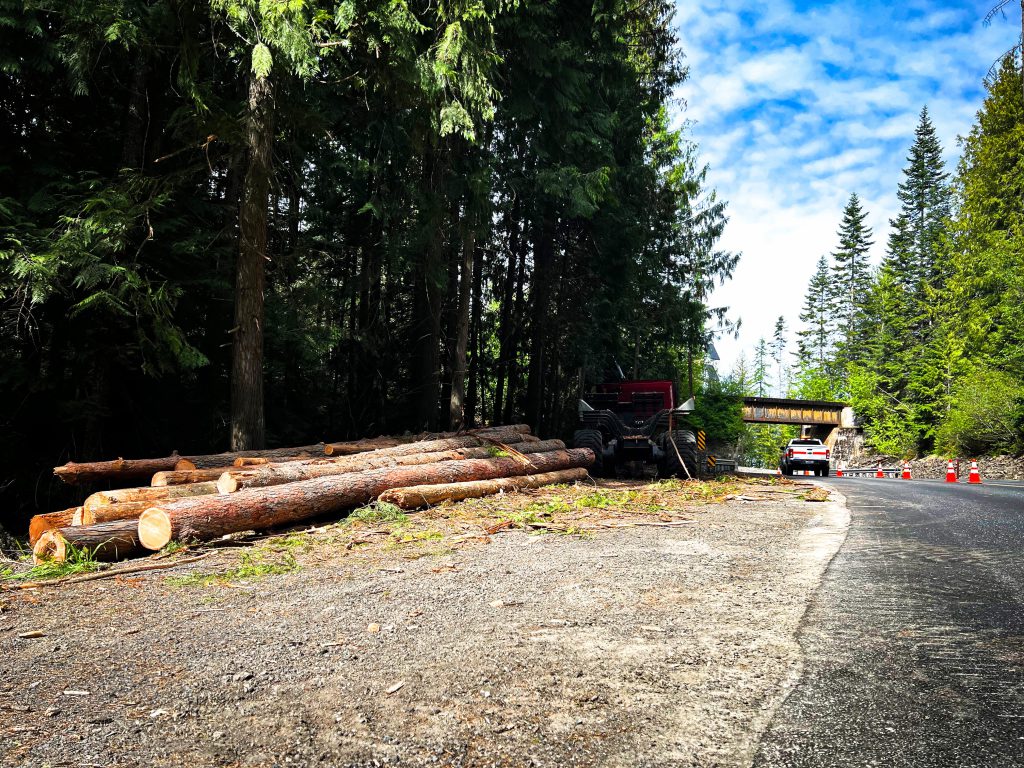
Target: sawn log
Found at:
x=104, y=541
x=207, y=517
x=431, y=495
x=278, y=474
x=105, y=506
x=41, y=523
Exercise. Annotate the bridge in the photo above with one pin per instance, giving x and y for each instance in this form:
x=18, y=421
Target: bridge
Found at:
x=780, y=410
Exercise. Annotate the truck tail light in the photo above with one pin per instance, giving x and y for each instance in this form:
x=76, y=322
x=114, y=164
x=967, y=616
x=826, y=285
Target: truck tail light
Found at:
x=828, y=453
x=789, y=454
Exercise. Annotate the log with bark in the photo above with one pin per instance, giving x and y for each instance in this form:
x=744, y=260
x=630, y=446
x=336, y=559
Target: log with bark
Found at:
x=392, y=441
x=74, y=473
x=122, y=470
x=41, y=523
x=207, y=517
x=129, y=503
x=104, y=541
x=213, y=460
x=432, y=495
x=188, y=476
x=496, y=439
x=278, y=474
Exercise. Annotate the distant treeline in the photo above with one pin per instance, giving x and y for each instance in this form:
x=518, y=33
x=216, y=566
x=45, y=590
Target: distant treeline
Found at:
x=231, y=222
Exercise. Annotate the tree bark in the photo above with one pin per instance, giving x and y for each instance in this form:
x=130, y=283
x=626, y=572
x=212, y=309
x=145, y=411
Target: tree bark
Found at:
x=209, y=460
x=74, y=473
x=105, y=506
x=247, y=420
x=474, y=401
x=457, y=403
x=278, y=474
x=104, y=541
x=540, y=293
x=432, y=495
x=39, y=524
x=188, y=476
x=362, y=446
x=207, y=517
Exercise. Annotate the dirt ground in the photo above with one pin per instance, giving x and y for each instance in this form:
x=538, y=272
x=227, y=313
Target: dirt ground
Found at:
x=626, y=625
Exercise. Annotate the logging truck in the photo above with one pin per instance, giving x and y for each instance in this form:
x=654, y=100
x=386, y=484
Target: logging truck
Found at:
x=630, y=425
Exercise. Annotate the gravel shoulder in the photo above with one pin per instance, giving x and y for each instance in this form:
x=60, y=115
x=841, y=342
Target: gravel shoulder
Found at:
x=649, y=628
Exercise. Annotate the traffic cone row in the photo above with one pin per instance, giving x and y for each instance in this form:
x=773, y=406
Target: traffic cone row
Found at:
x=974, y=477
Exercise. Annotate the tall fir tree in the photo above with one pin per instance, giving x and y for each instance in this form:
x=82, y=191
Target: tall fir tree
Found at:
x=779, y=354
x=851, y=272
x=814, y=342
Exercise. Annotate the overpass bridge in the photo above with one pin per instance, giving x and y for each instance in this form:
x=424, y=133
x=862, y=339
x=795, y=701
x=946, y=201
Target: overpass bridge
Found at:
x=780, y=410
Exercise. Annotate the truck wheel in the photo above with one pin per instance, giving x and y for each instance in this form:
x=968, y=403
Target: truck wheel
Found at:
x=591, y=438
x=825, y=471
x=687, y=445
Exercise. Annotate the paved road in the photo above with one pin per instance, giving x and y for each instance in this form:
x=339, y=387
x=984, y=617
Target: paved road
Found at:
x=915, y=641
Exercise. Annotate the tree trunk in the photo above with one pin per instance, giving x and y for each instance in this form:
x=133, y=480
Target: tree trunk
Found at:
x=505, y=314
x=278, y=474
x=39, y=524
x=115, y=505
x=103, y=541
x=247, y=424
x=74, y=473
x=473, y=396
x=209, y=460
x=188, y=476
x=362, y=446
x=540, y=293
x=208, y=517
x=457, y=403
x=432, y=495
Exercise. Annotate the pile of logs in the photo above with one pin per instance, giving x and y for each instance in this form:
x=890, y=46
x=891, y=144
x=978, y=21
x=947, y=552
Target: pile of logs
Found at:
x=198, y=498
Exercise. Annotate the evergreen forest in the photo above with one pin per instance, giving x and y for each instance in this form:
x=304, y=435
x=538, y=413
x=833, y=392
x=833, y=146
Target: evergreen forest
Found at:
x=230, y=224
x=928, y=346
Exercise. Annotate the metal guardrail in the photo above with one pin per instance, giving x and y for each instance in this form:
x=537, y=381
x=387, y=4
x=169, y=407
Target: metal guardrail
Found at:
x=871, y=471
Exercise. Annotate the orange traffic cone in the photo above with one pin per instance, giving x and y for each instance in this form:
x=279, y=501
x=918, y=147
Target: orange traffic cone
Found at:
x=906, y=471
x=951, y=473
x=879, y=473
x=975, y=476
x=839, y=470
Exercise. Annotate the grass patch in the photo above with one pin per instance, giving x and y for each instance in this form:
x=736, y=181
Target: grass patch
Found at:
x=173, y=546
x=255, y=564
x=78, y=561
x=404, y=536
x=377, y=512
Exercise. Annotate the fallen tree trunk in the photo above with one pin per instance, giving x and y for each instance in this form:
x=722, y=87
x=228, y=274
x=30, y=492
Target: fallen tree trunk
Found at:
x=187, y=476
x=278, y=474
x=104, y=541
x=145, y=493
x=74, y=473
x=42, y=523
x=432, y=495
x=392, y=441
x=102, y=510
x=213, y=460
x=496, y=439
x=207, y=517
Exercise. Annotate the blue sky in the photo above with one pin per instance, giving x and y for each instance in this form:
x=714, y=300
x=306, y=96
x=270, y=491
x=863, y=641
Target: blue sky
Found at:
x=795, y=105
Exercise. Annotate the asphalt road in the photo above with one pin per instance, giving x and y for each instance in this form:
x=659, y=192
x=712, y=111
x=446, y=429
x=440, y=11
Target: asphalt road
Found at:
x=915, y=641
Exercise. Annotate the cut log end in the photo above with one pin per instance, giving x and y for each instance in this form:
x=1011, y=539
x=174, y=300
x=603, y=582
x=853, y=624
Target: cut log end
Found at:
x=226, y=483
x=51, y=546
x=154, y=528
x=78, y=518
x=183, y=465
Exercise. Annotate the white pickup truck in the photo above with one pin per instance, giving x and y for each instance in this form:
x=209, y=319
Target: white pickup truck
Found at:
x=805, y=453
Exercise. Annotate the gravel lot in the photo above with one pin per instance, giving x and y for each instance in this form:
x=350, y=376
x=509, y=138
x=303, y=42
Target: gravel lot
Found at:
x=639, y=645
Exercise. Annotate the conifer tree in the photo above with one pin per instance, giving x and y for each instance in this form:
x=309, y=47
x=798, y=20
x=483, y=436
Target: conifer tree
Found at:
x=779, y=352
x=852, y=280
x=814, y=342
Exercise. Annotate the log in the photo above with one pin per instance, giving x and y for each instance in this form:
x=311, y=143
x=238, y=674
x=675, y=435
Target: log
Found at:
x=277, y=474
x=392, y=441
x=104, y=541
x=212, y=460
x=187, y=476
x=207, y=517
x=74, y=473
x=145, y=493
x=100, y=508
x=511, y=438
x=432, y=495
x=41, y=523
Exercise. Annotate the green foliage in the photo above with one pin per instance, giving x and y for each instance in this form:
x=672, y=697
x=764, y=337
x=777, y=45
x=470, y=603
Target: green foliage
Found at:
x=77, y=561
x=254, y=564
x=985, y=416
x=377, y=512
x=720, y=410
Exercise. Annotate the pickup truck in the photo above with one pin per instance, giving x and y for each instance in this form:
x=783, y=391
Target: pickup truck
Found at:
x=805, y=453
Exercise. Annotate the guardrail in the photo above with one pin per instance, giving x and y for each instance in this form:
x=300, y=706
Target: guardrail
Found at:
x=872, y=471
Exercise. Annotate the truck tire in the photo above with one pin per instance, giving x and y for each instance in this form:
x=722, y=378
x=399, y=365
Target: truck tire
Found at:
x=591, y=438
x=825, y=471
x=687, y=445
